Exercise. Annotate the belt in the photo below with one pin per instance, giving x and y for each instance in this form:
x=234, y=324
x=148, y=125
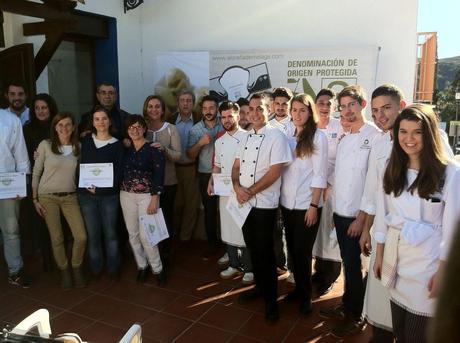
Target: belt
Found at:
x=62, y=194
x=179, y=165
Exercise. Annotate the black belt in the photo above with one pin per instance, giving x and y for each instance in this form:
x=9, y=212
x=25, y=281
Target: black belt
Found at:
x=62, y=194
x=185, y=164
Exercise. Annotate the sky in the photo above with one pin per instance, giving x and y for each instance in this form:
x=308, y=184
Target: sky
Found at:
x=441, y=16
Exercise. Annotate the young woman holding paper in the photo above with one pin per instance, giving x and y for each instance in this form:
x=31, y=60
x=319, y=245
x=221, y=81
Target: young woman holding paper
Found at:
x=416, y=215
x=100, y=205
x=54, y=190
x=141, y=187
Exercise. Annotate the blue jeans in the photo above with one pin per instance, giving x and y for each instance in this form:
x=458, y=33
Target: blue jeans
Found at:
x=100, y=213
x=353, y=296
x=9, y=214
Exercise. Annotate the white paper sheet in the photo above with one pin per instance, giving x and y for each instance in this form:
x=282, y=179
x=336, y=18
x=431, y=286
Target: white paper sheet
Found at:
x=222, y=184
x=96, y=174
x=12, y=185
x=239, y=212
x=154, y=226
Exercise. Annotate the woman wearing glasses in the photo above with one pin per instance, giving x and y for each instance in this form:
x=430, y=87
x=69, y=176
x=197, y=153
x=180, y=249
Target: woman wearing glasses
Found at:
x=416, y=216
x=141, y=186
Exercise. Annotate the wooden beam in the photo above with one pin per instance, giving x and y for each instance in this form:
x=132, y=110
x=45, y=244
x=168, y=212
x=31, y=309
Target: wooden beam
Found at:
x=47, y=51
x=45, y=27
x=2, y=34
x=82, y=24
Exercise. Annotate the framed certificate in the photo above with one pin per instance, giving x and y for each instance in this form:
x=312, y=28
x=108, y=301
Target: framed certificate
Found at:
x=222, y=184
x=96, y=174
x=12, y=185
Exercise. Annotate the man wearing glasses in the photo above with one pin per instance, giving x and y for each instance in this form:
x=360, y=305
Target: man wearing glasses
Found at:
x=106, y=95
x=348, y=187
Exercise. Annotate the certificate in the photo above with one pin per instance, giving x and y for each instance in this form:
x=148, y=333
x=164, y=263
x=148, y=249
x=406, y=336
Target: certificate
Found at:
x=222, y=184
x=154, y=226
x=12, y=185
x=96, y=174
x=238, y=212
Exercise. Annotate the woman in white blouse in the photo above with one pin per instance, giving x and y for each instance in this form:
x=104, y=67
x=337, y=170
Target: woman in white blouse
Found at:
x=303, y=181
x=416, y=215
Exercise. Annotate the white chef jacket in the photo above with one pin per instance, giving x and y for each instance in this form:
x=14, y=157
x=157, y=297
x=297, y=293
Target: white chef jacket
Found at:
x=333, y=132
x=427, y=228
x=226, y=148
x=380, y=153
x=351, y=168
x=13, y=150
x=304, y=173
x=285, y=125
x=257, y=153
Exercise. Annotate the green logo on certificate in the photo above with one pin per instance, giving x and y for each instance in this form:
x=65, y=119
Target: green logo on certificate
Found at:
x=96, y=171
x=6, y=182
x=151, y=228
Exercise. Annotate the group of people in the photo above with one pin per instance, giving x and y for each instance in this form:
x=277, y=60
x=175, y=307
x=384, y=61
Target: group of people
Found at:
x=336, y=189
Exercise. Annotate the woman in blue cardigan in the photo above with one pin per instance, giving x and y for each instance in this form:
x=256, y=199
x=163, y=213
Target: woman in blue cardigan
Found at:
x=100, y=206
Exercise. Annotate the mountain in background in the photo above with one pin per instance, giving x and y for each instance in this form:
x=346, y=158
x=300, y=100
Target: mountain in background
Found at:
x=447, y=68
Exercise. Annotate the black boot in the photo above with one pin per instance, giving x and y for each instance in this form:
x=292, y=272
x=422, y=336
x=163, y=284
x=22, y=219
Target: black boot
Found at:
x=161, y=277
x=66, y=281
x=79, y=277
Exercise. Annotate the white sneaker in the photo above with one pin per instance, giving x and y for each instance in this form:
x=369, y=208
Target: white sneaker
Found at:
x=223, y=260
x=248, y=279
x=229, y=273
x=290, y=279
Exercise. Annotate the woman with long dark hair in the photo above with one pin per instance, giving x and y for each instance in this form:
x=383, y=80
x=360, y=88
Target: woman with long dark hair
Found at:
x=100, y=206
x=54, y=191
x=36, y=129
x=417, y=211
x=303, y=181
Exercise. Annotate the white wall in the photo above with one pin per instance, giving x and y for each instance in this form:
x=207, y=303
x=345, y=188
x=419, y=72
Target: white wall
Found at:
x=166, y=25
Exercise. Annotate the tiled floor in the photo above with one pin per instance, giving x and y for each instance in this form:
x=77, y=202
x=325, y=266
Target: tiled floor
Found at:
x=194, y=306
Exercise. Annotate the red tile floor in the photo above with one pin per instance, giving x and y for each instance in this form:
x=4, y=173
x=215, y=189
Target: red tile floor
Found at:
x=194, y=306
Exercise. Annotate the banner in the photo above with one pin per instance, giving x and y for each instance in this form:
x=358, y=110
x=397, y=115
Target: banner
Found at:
x=240, y=73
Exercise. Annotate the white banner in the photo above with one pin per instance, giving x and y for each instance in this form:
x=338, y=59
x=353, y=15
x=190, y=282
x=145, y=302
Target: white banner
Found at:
x=235, y=74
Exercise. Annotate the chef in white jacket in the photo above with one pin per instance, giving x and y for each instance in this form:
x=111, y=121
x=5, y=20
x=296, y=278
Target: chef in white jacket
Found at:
x=256, y=177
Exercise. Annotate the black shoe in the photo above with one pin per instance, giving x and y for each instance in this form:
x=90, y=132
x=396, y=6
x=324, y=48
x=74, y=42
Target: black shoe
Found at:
x=306, y=307
x=271, y=312
x=20, y=279
x=323, y=290
x=161, y=277
x=349, y=327
x=66, y=279
x=79, y=277
x=335, y=312
x=249, y=295
x=142, y=275
x=291, y=297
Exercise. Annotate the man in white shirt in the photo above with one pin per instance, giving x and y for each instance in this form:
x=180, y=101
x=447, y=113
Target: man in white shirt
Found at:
x=226, y=147
x=256, y=177
x=348, y=186
x=328, y=263
x=13, y=158
x=16, y=96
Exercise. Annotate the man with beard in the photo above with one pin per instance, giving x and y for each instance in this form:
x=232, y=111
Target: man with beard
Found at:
x=244, y=114
x=201, y=145
x=348, y=187
x=106, y=95
x=16, y=96
x=256, y=180
x=282, y=119
x=226, y=147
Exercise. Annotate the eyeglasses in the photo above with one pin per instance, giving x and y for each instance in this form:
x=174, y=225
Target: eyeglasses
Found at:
x=135, y=127
x=347, y=106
